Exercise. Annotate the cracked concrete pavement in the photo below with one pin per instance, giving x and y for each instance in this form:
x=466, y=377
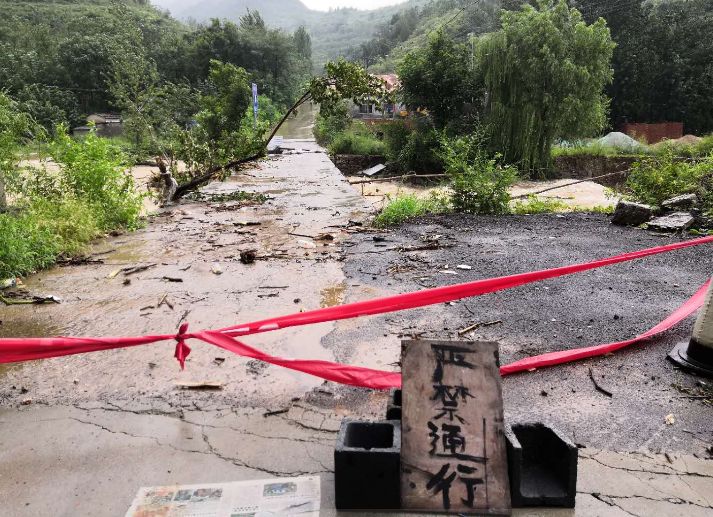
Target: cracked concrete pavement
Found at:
x=79, y=435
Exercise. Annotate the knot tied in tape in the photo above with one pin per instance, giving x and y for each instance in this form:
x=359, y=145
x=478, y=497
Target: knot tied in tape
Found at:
x=182, y=349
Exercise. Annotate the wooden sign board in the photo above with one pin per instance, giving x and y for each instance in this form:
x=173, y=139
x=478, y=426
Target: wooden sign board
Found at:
x=453, y=455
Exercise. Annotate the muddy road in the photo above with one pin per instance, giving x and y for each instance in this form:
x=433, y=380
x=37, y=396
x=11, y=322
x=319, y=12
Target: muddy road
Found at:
x=80, y=434
x=195, y=275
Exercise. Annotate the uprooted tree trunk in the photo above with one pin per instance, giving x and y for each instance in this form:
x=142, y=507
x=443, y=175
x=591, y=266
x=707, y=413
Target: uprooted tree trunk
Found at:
x=182, y=190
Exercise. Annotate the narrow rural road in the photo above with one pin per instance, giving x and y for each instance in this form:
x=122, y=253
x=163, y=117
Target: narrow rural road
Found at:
x=79, y=435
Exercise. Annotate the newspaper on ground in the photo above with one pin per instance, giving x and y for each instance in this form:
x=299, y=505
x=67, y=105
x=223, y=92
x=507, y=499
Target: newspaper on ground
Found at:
x=257, y=498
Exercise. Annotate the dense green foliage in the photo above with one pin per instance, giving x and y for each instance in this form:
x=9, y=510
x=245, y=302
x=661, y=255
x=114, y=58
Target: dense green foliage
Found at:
x=658, y=178
x=480, y=184
x=55, y=211
x=662, y=63
x=335, y=33
x=404, y=207
x=440, y=78
x=545, y=73
x=357, y=139
x=65, y=59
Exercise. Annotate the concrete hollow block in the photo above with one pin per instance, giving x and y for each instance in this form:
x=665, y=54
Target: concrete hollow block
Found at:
x=393, y=408
x=367, y=460
x=542, y=465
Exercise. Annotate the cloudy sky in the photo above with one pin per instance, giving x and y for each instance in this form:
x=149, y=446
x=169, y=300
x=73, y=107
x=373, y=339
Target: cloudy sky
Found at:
x=360, y=4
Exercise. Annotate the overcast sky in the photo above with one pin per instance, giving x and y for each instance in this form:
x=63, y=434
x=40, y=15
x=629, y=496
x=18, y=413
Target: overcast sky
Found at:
x=360, y=4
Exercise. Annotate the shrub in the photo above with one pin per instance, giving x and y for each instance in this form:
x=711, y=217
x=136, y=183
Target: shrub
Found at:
x=358, y=139
x=422, y=152
x=93, y=170
x=407, y=206
x=396, y=136
x=480, y=184
x=328, y=125
x=660, y=177
x=535, y=205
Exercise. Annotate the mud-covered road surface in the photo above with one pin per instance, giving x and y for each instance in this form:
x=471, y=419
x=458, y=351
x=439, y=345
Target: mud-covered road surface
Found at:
x=80, y=434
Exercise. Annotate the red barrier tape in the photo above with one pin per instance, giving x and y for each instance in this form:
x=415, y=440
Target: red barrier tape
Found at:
x=26, y=349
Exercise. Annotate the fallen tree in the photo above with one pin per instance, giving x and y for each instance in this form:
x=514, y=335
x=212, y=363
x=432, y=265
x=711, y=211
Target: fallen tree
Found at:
x=342, y=80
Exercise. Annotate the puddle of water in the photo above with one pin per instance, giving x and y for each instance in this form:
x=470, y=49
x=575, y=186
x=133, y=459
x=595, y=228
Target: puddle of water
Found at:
x=28, y=329
x=300, y=126
x=333, y=295
x=130, y=252
x=10, y=329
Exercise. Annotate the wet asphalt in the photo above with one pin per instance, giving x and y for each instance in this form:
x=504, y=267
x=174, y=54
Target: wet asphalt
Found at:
x=600, y=306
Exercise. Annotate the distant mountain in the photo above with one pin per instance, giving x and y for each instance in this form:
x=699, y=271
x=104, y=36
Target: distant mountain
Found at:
x=286, y=14
x=333, y=32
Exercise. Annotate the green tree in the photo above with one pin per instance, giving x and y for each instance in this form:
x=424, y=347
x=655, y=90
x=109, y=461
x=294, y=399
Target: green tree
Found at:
x=545, y=73
x=15, y=128
x=228, y=98
x=440, y=79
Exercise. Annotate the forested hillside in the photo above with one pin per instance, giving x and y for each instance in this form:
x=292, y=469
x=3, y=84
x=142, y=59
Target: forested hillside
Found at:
x=662, y=67
x=333, y=33
x=64, y=59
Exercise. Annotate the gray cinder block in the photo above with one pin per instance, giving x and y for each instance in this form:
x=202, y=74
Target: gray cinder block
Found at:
x=542, y=464
x=367, y=465
x=393, y=409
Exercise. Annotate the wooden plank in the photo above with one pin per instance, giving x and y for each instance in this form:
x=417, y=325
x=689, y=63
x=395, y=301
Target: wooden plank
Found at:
x=453, y=455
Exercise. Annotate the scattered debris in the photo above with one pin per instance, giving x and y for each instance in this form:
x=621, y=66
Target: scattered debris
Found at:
x=246, y=223
x=670, y=419
x=26, y=402
x=277, y=412
x=306, y=244
x=164, y=300
x=464, y=267
x=183, y=316
x=216, y=269
x=597, y=386
x=683, y=202
x=131, y=270
x=8, y=283
x=478, y=325
x=33, y=300
x=172, y=279
x=203, y=385
x=373, y=170
x=127, y=281
x=79, y=261
x=674, y=222
x=631, y=214
x=219, y=360
x=248, y=256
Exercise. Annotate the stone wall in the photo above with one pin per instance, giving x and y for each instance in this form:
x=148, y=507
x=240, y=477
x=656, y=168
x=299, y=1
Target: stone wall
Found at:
x=585, y=167
x=351, y=164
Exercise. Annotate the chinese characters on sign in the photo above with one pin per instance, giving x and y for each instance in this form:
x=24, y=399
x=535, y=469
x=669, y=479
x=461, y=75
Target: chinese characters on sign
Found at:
x=453, y=448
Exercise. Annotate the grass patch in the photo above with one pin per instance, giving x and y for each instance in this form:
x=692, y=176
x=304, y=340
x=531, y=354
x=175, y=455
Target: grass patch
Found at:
x=55, y=214
x=594, y=149
x=405, y=207
x=535, y=205
x=357, y=142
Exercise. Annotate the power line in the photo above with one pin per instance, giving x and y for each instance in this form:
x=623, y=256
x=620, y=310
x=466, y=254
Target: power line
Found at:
x=461, y=11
